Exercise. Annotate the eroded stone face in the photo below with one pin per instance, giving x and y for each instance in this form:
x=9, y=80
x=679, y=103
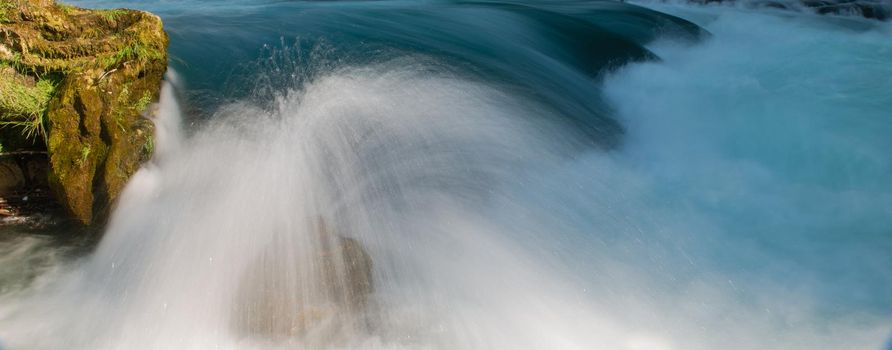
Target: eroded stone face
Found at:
x=320, y=290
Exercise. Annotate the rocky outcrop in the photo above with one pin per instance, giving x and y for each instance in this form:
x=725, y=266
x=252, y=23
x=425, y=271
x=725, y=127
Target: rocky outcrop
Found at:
x=871, y=9
x=76, y=85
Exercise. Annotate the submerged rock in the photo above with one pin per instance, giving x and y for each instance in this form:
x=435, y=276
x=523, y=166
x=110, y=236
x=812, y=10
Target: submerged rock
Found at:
x=76, y=83
x=871, y=9
x=319, y=290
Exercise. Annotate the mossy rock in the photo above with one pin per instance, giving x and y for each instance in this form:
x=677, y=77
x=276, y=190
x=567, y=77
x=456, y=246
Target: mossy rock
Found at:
x=103, y=67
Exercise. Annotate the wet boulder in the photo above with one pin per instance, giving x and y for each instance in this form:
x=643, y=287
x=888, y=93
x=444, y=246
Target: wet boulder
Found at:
x=319, y=290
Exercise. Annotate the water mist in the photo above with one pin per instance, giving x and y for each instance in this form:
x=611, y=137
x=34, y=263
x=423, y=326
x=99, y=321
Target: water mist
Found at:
x=397, y=204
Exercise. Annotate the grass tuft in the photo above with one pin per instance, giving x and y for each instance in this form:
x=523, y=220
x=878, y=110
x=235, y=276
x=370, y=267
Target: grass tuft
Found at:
x=5, y=7
x=143, y=102
x=66, y=8
x=132, y=52
x=25, y=107
x=85, y=154
x=111, y=15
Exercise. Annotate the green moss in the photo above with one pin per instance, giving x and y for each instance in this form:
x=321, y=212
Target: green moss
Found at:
x=15, y=61
x=148, y=148
x=5, y=8
x=120, y=113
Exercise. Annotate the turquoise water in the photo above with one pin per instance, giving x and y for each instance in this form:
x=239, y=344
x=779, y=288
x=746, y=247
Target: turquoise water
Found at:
x=566, y=174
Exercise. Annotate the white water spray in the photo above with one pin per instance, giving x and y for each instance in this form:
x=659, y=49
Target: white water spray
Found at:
x=484, y=229
x=412, y=167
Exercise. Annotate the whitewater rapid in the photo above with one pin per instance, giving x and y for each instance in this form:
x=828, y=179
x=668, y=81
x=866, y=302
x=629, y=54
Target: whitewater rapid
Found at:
x=745, y=207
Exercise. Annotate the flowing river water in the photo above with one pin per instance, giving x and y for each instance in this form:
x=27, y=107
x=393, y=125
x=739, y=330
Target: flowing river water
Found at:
x=555, y=175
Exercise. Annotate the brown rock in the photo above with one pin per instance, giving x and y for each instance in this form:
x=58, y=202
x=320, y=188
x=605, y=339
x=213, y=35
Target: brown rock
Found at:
x=290, y=293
